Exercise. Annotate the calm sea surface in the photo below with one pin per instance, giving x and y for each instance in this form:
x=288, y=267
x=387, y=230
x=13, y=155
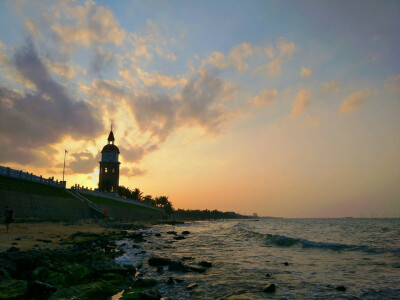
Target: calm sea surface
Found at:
x=363, y=255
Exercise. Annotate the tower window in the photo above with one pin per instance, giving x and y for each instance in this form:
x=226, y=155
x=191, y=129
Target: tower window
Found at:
x=105, y=170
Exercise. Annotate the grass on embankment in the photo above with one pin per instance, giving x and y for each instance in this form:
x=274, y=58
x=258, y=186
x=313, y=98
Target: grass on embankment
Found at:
x=29, y=187
x=107, y=201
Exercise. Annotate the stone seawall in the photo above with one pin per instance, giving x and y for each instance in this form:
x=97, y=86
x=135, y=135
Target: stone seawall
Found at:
x=27, y=206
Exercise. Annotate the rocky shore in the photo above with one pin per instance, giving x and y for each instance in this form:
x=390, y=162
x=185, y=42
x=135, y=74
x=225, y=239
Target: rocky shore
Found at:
x=82, y=266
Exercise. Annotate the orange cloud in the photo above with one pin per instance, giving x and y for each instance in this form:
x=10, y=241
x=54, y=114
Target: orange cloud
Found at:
x=302, y=101
x=355, y=100
x=265, y=98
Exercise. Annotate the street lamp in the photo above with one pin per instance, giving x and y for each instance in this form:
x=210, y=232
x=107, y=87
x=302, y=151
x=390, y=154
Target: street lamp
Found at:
x=65, y=155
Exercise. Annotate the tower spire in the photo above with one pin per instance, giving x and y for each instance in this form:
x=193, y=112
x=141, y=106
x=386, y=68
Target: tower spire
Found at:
x=111, y=136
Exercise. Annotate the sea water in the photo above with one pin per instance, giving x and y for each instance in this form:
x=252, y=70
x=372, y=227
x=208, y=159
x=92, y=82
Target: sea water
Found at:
x=304, y=258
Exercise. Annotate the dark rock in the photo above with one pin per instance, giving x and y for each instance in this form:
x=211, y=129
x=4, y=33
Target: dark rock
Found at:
x=158, y=234
x=267, y=275
x=197, y=269
x=286, y=263
x=17, y=239
x=177, y=266
x=172, y=232
x=14, y=243
x=40, y=290
x=178, y=280
x=44, y=241
x=269, y=288
x=135, y=246
x=145, y=282
x=13, y=289
x=185, y=232
x=191, y=286
x=159, y=261
x=13, y=249
x=171, y=280
x=341, y=288
x=187, y=258
x=160, y=270
x=150, y=295
x=205, y=264
x=179, y=237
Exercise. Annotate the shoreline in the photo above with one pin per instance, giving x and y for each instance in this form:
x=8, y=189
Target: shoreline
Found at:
x=69, y=259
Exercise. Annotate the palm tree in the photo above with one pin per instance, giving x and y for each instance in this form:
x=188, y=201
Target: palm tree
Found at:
x=137, y=194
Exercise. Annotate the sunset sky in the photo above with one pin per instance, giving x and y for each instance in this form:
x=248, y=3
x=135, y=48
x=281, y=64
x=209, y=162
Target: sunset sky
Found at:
x=283, y=108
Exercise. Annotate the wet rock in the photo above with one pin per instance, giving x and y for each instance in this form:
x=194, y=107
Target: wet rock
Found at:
x=270, y=288
x=192, y=286
x=205, y=264
x=177, y=266
x=158, y=234
x=267, y=275
x=197, y=269
x=40, y=290
x=159, y=261
x=13, y=249
x=185, y=232
x=187, y=258
x=150, y=295
x=171, y=280
x=179, y=237
x=160, y=270
x=341, y=288
x=44, y=241
x=286, y=263
x=17, y=239
x=172, y=232
x=13, y=289
x=14, y=243
x=145, y=283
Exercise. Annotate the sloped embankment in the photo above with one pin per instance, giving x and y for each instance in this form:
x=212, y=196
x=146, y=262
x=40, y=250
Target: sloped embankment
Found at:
x=31, y=200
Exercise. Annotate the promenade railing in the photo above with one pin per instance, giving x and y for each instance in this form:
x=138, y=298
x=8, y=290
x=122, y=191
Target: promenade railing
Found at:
x=112, y=196
x=12, y=173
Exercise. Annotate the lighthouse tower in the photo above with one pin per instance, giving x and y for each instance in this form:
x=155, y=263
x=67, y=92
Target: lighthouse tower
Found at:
x=109, y=166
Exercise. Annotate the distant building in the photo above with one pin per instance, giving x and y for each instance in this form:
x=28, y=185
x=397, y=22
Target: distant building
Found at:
x=109, y=166
x=255, y=215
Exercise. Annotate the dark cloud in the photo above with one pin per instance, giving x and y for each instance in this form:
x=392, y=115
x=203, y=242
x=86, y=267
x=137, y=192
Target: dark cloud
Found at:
x=84, y=162
x=136, y=153
x=102, y=61
x=34, y=120
x=132, y=172
x=198, y=104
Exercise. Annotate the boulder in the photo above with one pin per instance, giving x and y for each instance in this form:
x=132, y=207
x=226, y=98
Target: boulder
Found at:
x=192, y=286
x=150, y=295
x=40, y=289
x=13, y=249
x=172, y=232
x=197, y=269
x=270, y=288
x=341, y=288
x=177, y=266
x=179, y=237
x=205, y=264
x=159, y=261
x=158, y=234
x=185, y=232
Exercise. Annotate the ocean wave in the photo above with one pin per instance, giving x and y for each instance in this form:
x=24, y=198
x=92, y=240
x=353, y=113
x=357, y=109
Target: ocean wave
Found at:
x=285, y=241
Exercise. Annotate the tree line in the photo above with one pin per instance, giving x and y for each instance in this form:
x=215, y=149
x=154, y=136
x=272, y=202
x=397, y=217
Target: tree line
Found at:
x=136, y=194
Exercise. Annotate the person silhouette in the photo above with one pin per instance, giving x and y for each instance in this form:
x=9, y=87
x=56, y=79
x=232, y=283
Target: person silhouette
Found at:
x=9, y=214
